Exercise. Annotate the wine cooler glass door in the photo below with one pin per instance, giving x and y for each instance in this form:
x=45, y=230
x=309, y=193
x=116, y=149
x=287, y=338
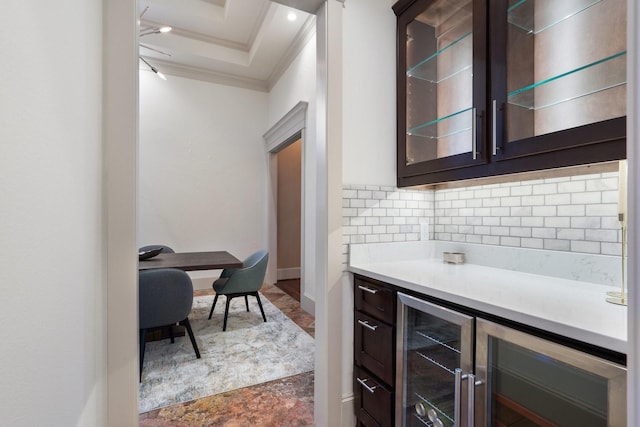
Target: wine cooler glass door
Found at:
x=434, y=360
x=531, y=381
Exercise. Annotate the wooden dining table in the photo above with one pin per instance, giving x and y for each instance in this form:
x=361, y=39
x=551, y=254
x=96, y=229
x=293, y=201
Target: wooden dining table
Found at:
x=191, y=261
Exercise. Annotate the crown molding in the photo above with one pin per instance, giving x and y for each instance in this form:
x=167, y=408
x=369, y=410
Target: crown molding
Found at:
x=199, y=36
x=197, y=73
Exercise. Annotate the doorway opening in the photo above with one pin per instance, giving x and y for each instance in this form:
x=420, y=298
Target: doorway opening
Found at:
x=288, y=222
x=289, y=134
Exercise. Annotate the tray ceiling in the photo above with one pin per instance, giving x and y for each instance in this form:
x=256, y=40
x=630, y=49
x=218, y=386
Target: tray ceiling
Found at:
x=246, y=43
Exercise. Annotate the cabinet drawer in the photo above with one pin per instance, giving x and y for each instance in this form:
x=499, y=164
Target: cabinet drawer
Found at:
x=374, y=401
x=373, y=349
x=375, y=300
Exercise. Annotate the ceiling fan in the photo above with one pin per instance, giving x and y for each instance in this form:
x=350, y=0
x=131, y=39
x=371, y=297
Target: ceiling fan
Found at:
x=145, y=31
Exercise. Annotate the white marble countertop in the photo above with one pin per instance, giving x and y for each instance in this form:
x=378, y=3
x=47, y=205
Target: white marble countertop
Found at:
x=569, y=308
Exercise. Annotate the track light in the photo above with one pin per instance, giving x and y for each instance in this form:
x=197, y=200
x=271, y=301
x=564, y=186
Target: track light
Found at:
x=152, y=30
x=155, y=30
x=154, y=69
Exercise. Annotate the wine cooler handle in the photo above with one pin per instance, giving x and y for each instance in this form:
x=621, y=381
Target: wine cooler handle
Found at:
x=367, y=325
x=371, y=390
x=366, y=289
x=457, y=401
x=471, y=399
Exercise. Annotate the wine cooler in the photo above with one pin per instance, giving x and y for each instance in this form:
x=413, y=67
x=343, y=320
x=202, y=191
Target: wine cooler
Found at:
x=457, y=370
x=435, y=355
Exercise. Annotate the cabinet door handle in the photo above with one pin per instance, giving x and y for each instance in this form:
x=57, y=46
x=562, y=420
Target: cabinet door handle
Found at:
x=494, y=127
x=366, y=289
x=474, y=138
x=367, y=325
x=371, y=390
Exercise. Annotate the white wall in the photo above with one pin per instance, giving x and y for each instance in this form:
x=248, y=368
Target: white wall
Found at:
x=202, y=167
x=369, y=70
x=52, y=309
x=369, y=125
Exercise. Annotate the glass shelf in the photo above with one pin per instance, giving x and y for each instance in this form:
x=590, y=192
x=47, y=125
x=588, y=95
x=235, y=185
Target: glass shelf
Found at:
x=442, y=127
x=535, y=16
x=452, y=59
x=600, y=75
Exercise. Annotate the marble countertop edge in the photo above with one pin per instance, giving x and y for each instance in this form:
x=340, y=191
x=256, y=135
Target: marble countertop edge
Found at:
x=570, y=308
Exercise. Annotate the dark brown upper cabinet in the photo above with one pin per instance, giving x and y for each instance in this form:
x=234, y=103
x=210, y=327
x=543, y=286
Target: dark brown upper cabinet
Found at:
x=503, y=86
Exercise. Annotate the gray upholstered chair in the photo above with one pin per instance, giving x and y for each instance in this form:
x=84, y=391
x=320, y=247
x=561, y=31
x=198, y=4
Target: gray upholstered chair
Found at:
x=165, y=297
x=242, y=282
x=165, y=249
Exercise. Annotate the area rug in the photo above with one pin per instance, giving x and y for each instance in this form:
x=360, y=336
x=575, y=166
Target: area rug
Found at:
x=249, y=352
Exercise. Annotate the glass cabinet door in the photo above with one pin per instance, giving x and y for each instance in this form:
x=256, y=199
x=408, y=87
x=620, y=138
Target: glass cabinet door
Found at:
x=435, y=351
x=529, y=381
x=565, y=68
x=440, y=119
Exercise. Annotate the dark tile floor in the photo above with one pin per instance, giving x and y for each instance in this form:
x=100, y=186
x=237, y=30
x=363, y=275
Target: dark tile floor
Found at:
x=282, y=403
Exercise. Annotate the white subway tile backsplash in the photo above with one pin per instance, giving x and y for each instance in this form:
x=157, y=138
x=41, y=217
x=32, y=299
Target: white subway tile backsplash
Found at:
x=602, y=184
x=511, y=221
x=571, y=187
x=490, y=240
x=532, y=200
x=584, y=198
x=610, y=249
x=602, y=210
x=522, y=190
x=570, y=234
x=571, y=210
x=586, y=247
x=490, y=220
x=557, y=199
x=511, y=201
x=532, y=221
x=601, y=235
x=557, y=245
x=557, y=221
x=545, y=189
x=532, y=243
x=472, y=238
x=543, y=233
x=510, y=241
x=521, y=211
x=520, y=231
x=577, y=214
x=500, y=192
x=372, y=220
x=610, y=222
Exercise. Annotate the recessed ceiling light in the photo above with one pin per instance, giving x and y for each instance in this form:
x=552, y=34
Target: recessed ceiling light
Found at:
x=292, y=16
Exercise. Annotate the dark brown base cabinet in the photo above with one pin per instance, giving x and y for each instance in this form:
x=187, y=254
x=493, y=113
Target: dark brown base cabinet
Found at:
x=374, y=352
x=421, y=361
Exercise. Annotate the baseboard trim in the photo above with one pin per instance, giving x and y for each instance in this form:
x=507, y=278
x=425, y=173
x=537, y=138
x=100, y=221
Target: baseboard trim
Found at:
x=348, y=411
x=308, y=305
x=288, y=273
x=202, y=283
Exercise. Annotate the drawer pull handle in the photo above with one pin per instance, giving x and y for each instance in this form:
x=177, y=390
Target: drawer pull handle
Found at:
x=367, y=325
x=371, y=390
x=366, y=289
